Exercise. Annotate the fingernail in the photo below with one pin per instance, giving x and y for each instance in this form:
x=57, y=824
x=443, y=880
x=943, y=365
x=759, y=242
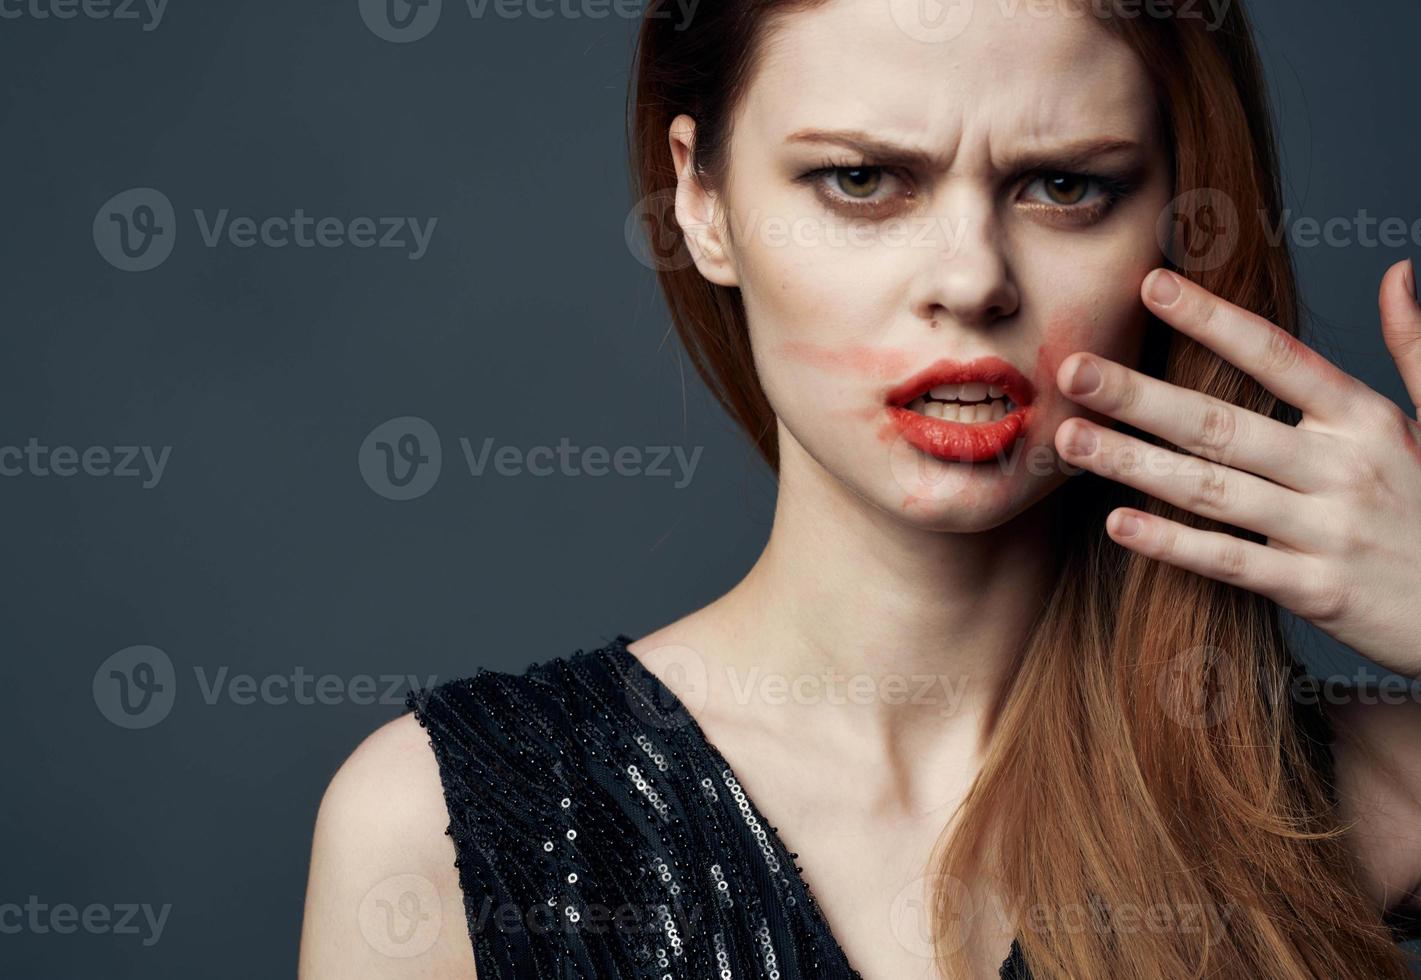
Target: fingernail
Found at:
x=1163, y=287
x=1081, y=442
x=1084, y=379
x=1128, y=527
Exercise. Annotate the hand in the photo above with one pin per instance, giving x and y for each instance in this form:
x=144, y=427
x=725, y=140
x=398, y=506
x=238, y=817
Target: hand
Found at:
x=1337, y=496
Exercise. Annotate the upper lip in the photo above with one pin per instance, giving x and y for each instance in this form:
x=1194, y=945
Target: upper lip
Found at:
x=989, y=370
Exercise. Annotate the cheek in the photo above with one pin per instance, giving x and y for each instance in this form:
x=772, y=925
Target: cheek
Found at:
x=1109, y=331
x=859, y=362
x=815, y=332
x=1071, y=328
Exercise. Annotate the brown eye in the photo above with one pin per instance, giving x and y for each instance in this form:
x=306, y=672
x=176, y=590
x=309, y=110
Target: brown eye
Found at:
x=1067, y=189
x=858, y=181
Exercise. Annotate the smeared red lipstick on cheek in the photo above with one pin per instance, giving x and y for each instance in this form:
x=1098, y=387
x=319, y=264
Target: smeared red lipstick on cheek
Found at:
x=872, y=364
x=1067, y=331
x=854, y=361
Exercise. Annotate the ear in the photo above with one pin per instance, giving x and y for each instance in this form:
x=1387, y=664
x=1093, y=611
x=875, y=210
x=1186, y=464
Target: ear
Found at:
x=698, y=211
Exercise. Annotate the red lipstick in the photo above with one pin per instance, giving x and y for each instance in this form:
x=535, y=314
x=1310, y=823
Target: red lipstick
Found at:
x=963, y=442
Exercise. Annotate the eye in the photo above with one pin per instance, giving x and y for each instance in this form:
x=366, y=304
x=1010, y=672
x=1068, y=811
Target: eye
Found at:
x=858, y=182
x=1066, y=189
x=1076, y=195
x=859, y=188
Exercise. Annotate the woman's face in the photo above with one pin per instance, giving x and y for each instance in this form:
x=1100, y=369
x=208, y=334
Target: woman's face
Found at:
x=905, y=216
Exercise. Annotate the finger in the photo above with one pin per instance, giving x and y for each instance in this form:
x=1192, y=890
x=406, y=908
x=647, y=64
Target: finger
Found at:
x=1197, y=423
x=1213, y=554
x=1205, y=488
x=1279, y=361
x=1401, y=325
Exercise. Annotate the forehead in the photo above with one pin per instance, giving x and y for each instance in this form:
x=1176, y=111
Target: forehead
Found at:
x=1015, y=75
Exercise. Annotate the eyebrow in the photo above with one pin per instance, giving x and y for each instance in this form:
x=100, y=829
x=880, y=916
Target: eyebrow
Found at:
x=1074, y=153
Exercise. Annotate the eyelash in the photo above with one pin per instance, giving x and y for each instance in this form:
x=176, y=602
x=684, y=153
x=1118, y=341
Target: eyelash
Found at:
x=1114, y=190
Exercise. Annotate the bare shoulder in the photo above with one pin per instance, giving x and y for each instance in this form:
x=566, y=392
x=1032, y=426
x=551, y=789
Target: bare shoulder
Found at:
x=1378, y=759
x=383, y=898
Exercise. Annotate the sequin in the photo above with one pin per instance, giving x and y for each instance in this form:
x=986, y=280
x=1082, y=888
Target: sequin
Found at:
x=662, y=857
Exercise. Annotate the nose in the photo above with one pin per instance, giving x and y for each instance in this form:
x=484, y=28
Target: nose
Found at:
x=965, y=278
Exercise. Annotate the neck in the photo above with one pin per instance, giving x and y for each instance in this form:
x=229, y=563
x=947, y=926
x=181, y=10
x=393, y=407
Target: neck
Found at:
x=874, y=629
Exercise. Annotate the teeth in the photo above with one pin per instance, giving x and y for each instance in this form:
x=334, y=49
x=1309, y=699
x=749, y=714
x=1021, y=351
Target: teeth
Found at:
x=952, y=411
x=973, y=391
x=946, y=393
x=994, y=391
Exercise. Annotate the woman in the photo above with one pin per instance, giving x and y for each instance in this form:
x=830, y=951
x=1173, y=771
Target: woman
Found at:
x=994, y=293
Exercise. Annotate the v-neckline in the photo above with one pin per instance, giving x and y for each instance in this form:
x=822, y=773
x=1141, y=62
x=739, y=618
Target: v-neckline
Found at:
x=667, y=697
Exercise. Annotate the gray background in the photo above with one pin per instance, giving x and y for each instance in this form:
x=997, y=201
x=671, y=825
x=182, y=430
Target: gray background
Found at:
x=262, y=548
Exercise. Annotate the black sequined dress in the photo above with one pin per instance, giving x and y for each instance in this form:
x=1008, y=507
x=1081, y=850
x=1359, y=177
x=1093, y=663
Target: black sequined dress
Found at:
x=599, y=835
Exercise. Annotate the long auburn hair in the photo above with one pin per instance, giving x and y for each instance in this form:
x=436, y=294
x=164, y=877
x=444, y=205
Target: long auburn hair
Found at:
x=1107, y=785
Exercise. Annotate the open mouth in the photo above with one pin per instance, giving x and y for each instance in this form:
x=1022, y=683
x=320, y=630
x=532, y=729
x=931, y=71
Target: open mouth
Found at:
x=974, y=401
x=963, y=412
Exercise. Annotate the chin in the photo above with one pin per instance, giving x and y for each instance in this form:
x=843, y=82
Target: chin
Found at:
x=965, y=497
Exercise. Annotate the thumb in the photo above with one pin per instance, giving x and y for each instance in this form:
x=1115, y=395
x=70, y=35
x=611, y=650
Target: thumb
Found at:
x=1401, y=325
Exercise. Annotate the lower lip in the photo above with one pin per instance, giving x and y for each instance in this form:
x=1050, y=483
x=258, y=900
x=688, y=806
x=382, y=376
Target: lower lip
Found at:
x=960, y=442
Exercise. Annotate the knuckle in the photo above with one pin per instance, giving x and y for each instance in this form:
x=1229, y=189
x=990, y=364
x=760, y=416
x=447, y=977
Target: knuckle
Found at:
x=1281, y=353
x=1231, y=559
x=1121, y=392
x=1384, y=418
x=1218, y=428
x=1366, y=474
x=1350, y=538
x=1209, y=491
x=1326, y=596
x=1125, y=459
